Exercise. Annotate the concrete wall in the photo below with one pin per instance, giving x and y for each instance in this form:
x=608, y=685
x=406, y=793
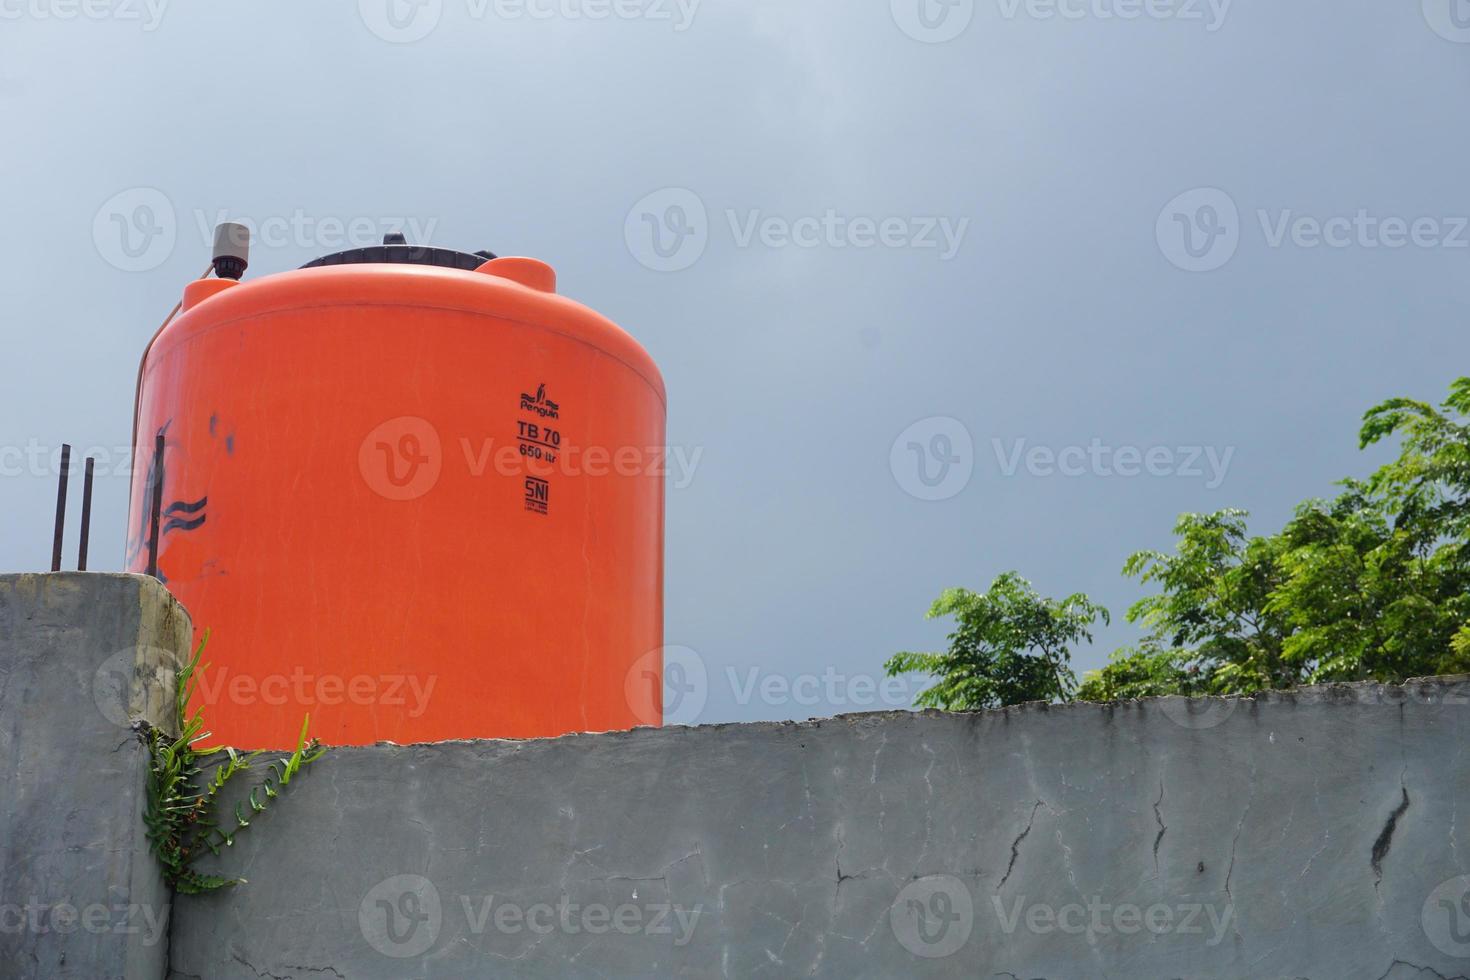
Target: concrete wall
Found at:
x=1314, y=835
x=80, y=656
x=1317, y=835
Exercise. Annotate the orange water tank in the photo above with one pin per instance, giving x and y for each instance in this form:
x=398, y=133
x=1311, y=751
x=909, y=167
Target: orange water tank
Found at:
x=412, y=492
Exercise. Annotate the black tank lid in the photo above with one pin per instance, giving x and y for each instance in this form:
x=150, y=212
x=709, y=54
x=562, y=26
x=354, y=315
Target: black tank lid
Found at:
x=395, y=249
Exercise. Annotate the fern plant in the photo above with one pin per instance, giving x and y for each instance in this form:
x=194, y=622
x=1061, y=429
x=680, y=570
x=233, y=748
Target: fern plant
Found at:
x=182, y=815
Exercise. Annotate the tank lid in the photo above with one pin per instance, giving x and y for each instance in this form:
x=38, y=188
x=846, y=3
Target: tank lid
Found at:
x=395, y=250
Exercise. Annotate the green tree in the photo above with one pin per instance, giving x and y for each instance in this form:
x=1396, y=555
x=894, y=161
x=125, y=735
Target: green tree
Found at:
x=1371, y=585
x=1378, y=581
x=1210, y=622
x=1011, y=645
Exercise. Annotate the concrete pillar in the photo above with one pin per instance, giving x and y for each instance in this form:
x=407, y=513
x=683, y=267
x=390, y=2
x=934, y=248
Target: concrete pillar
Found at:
x=81, y=656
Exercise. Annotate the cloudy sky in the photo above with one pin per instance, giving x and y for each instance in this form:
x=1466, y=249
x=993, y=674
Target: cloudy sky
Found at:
x=939, y=288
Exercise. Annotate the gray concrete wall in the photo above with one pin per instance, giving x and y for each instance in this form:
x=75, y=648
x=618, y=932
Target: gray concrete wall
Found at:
x=80, y=656
x=1311, y=835
x=1316, y=835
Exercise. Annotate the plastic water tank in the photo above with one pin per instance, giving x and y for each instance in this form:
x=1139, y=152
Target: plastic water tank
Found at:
x=412, y=492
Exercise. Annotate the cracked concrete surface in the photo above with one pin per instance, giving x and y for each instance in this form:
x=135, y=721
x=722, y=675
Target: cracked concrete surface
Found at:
x=1290, y=835
x=1305, y=835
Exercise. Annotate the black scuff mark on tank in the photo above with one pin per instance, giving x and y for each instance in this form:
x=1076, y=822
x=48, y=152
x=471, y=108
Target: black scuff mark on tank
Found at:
x=213, y=424
x=177, y=516
x=193, y=515
x=230, y=444
x=157, y=473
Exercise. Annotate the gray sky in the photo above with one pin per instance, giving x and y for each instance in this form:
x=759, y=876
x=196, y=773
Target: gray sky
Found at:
x=814, y=154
